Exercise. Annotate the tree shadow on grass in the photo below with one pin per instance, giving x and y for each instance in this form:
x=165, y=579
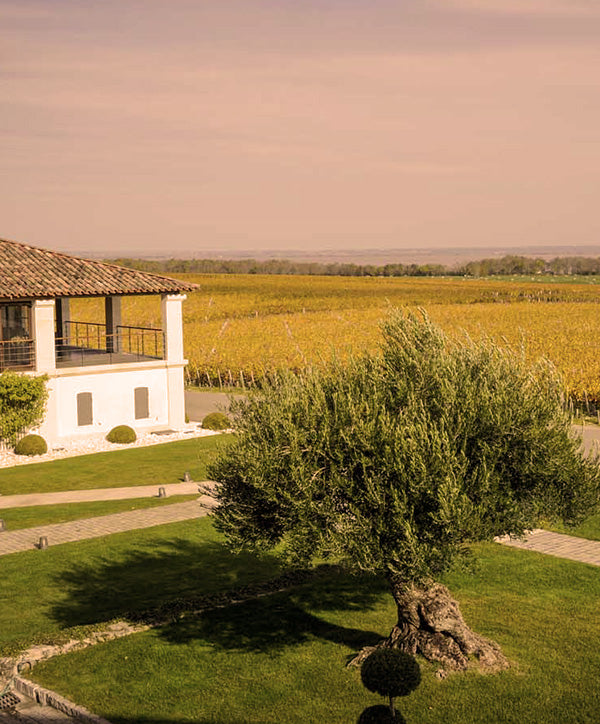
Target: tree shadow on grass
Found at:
x=185, y=576
x=144, y=579
x=273, y=622
x=187, y=720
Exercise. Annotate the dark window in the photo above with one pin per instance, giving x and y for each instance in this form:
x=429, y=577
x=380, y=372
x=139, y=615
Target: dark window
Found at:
x=15, y=321
x=142, y=410
x=85, y=410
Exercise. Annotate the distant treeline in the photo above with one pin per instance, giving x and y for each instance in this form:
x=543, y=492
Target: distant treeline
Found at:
x=506, y=265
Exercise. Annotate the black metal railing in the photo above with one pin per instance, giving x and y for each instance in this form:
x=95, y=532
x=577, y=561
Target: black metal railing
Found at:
x=87, y=343
x=17, y=353
x=141, y=341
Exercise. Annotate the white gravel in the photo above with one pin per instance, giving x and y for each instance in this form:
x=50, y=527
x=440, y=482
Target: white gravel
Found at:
x=98, y=443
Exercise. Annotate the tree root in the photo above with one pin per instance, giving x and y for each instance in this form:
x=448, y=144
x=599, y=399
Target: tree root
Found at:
x=430, y=624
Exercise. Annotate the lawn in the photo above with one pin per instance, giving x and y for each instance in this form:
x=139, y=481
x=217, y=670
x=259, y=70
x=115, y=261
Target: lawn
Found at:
x=281, y=657
x=589, y=528
x=45, y=594
x=17, y=518
x=152, y=465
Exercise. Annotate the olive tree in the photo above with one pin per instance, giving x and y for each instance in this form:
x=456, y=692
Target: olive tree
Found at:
x=395, y=462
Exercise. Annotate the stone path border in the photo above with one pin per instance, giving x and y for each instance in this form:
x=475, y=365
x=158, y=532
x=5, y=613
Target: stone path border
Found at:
x=55, y=703
x=559, y=545
x=29, y=538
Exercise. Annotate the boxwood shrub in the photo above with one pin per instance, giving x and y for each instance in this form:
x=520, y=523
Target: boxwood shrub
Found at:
x=216, y=421
x=31, y=445
x=122, y=435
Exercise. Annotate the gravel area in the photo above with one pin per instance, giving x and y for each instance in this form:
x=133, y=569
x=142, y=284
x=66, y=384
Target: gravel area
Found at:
x=98, y=443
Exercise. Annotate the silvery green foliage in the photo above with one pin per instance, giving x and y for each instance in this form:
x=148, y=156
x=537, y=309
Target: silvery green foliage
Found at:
x=394, y=462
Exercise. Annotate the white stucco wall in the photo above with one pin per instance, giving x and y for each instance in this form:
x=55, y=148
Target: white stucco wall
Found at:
x=111, y=385
x=112, y=388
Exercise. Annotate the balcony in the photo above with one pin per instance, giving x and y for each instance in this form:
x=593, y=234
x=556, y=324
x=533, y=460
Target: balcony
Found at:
x=87, y=343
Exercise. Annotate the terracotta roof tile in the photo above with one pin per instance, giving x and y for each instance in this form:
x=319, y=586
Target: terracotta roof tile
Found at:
x=30, y=272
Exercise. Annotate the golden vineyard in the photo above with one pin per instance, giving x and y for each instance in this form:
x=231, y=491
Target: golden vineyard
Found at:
x=237, y=328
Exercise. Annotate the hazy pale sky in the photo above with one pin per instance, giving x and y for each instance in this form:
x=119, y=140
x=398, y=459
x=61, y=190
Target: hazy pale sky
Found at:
x=245, y=124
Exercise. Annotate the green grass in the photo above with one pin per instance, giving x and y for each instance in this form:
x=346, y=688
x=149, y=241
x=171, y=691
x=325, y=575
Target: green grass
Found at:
x=152, y=465
x=17, y=518
x=590, y=528
x=44, y=594
x=281, y=658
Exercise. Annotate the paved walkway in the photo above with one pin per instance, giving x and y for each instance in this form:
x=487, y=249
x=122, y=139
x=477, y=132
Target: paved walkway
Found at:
x=84, y=496
x=28, y=538
x=559, y=545
x=542, y=541
x=29, y=712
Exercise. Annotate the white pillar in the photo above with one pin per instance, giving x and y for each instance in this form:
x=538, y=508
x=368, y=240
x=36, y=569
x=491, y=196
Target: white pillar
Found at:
x=42, y=312
x=172, y=320
x=175, y=397
x=112, y=318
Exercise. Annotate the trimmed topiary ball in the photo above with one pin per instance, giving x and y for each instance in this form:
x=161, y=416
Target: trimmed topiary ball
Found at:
x=380, y=714
x=31, y=445
x=122, y=435
x=390, y=672
x=216, y=421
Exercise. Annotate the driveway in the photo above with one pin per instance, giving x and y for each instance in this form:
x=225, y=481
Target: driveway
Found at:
x=199, y=403
x=590, y=435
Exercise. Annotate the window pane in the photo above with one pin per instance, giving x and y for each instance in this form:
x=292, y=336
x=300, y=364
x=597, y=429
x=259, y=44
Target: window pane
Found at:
x=14, y=321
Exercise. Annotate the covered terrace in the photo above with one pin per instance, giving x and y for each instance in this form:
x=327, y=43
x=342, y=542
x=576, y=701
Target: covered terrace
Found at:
x=38, y=333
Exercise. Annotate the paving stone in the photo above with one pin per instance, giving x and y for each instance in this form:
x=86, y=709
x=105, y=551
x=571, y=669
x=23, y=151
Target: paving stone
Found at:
x=28, y=538
x=559, y=545
x=85, y=496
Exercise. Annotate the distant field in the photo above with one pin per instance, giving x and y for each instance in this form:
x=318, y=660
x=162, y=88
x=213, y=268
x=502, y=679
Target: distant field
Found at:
x=239, y=326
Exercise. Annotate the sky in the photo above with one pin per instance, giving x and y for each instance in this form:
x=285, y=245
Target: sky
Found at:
x=161, y=126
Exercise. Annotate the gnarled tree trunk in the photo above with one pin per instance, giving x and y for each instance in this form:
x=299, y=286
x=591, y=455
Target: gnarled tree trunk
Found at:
x=430, y=623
